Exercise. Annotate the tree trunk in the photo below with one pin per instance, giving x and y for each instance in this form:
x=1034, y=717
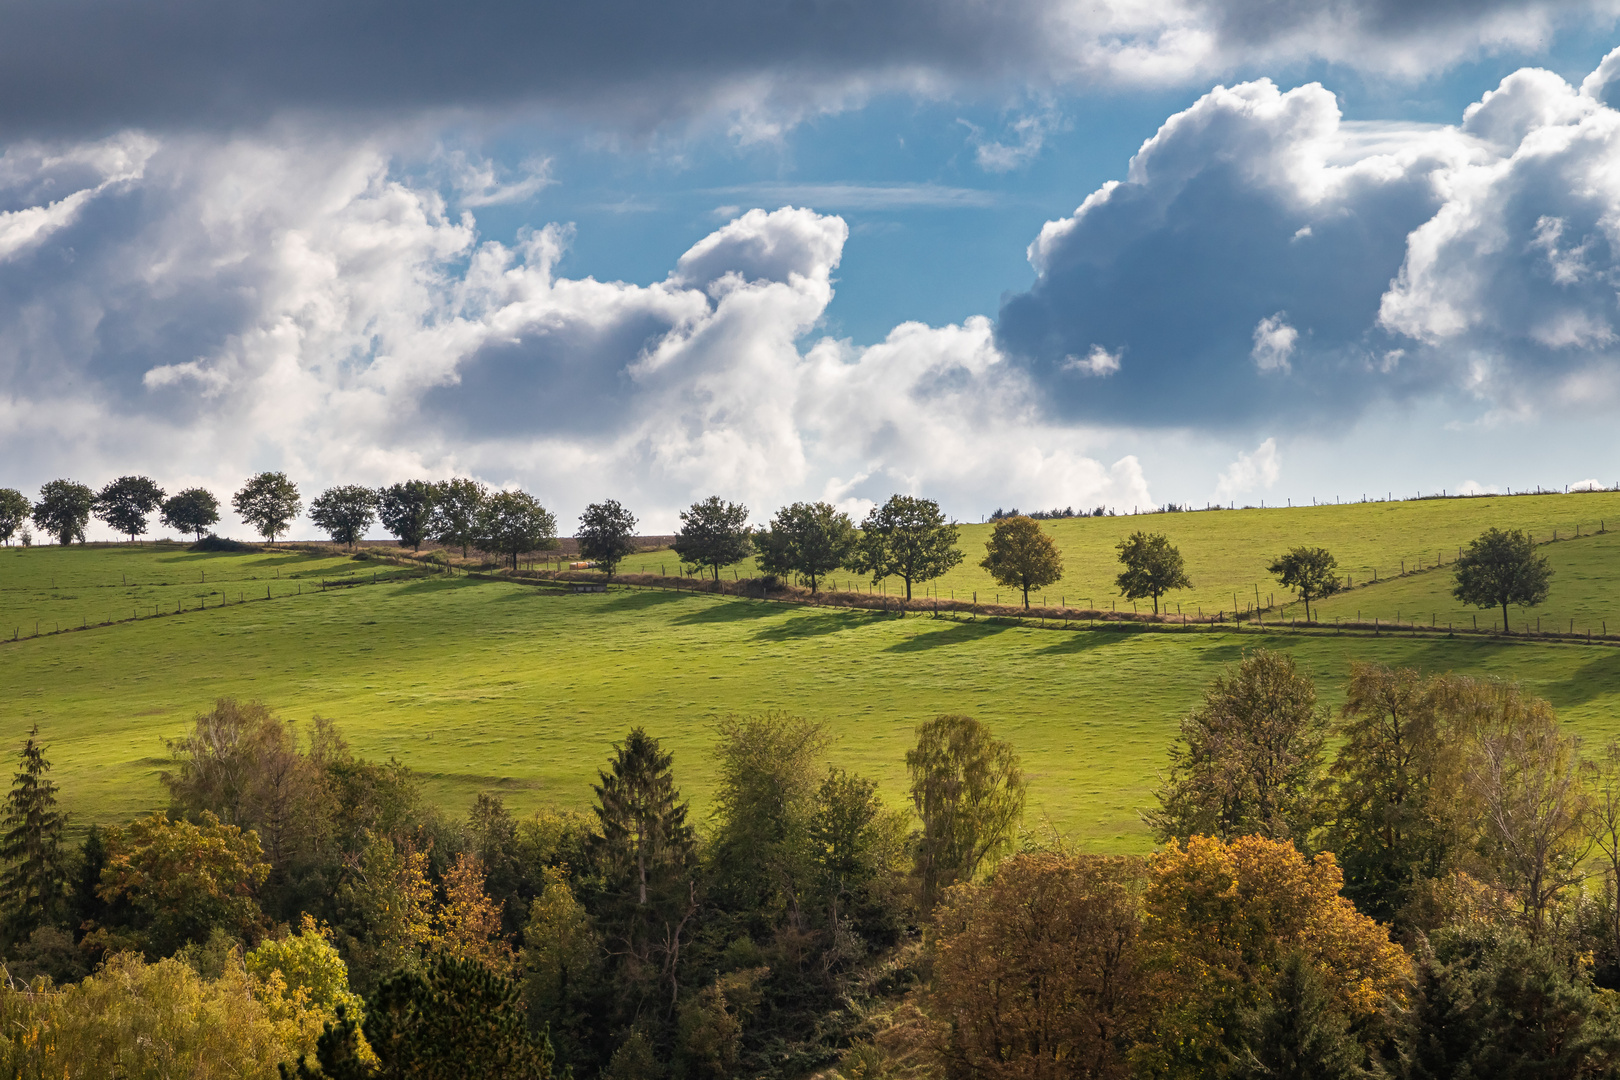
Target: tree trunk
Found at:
x=1155, y=603
x=1026, y=597
x=1504, y=617
x=908, y=587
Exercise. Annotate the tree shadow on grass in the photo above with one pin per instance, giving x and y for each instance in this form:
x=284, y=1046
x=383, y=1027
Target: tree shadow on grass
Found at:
x=962, y=633
x=736, y=610
x=438, y=585
x=1598, y=677
x=818, y=625
x=1085, y=640
x=637, y=600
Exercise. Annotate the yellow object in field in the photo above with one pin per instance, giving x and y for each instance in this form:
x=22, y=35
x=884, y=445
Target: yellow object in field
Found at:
x=581, y=566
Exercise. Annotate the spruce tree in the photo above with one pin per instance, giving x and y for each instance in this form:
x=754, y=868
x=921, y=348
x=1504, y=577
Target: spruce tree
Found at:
x=644, y=856
x=1300, y=1031
x=33, y=885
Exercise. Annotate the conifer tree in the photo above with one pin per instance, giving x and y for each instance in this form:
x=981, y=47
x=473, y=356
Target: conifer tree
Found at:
x=33, y=884
x=645, y=856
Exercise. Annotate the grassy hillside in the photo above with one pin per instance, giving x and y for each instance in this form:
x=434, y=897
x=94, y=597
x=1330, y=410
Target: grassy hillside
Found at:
x=44, y=589
x=1227, y=550
x=494, y=685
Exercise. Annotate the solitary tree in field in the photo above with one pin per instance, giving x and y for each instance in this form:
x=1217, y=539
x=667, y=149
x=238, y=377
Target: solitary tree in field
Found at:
x=808, y=539
x=1152, y=567
x=1019, y=554
x=406, y=511
x=193, y=510
x=1502, y=568
x=268, y=502
x=64, y=509
x=458, y=510
x=909, y=538
x=344, y=513
x=514, y=522
x=14, y=510
x=127, y=502
x=1310, y=570
x=33, y=881
x=714, y=533
x=607, y=534
x=968, y=789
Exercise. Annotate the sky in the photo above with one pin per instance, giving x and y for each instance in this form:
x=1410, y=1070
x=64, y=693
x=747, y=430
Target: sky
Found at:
x=1033, y=254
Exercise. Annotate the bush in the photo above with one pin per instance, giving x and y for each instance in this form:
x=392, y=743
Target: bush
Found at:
x=220, y=543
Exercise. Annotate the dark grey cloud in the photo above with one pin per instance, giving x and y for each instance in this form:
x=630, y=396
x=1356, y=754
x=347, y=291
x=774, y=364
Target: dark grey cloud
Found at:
x=78, y=65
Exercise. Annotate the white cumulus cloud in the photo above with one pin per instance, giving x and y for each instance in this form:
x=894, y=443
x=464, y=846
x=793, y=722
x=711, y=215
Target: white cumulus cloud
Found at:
x=1250, y=472
x=1273, y=343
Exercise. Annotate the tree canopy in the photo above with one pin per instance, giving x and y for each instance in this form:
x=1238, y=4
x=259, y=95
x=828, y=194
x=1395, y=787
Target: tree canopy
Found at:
x=127, y=502
x=1499, y=568
x=714, y=534
x=458, y=513
x=607, y=534
x=1308, y=569
x=193, y=510
x=64, y=509
x=269, y=502
x=406, y=510
x=1153, y=567
x=344, y=513
x=909, y=538
x=807, y=539
x=1248, y=757
x=14, y=508
x=1020, y=554
x=514, y=522
x=968, y=788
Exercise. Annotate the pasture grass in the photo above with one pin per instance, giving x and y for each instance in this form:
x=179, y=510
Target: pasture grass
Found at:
x=491, y=685
x=1227, y=551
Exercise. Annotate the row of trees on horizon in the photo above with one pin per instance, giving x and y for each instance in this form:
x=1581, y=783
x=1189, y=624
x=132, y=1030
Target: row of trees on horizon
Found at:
x=1423, y=883
x=906, y=537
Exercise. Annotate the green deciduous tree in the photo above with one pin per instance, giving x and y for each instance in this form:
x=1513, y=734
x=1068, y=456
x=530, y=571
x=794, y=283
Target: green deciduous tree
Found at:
x=909, y=538
x=406, y=511
x=33, y=863
x=1308, y=569
x=309, y=965
x=64, y=509
x=458, y=511
x=759, y=855
x=607, y=534
x=1153, y=567
x=193, y=511
x=713, y=534
x=1249, y=758
x=1019, y=554
x=1501, y=568
x=968, y=788
x=269, y=502
x=344, y=513
x=514, y=522
x=807, y=539
x=14, y=508
x=644, y=859
x=562, y=965
x=1393, y=787
x=127, y=502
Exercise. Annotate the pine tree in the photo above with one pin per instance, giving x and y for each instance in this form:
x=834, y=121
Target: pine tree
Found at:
x=33, y=885
x=1300, y=1031
x=644, y=856
x=452, y=1020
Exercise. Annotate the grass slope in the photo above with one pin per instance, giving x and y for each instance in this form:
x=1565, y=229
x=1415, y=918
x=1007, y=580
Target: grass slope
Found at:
x=491, y=685
x=1227, y=551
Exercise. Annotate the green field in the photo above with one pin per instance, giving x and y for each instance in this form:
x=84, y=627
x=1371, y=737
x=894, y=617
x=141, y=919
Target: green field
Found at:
x=492, y=685
x=1227, y=551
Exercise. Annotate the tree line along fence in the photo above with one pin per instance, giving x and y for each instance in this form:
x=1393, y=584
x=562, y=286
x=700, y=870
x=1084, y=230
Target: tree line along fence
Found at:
x=845, y=591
